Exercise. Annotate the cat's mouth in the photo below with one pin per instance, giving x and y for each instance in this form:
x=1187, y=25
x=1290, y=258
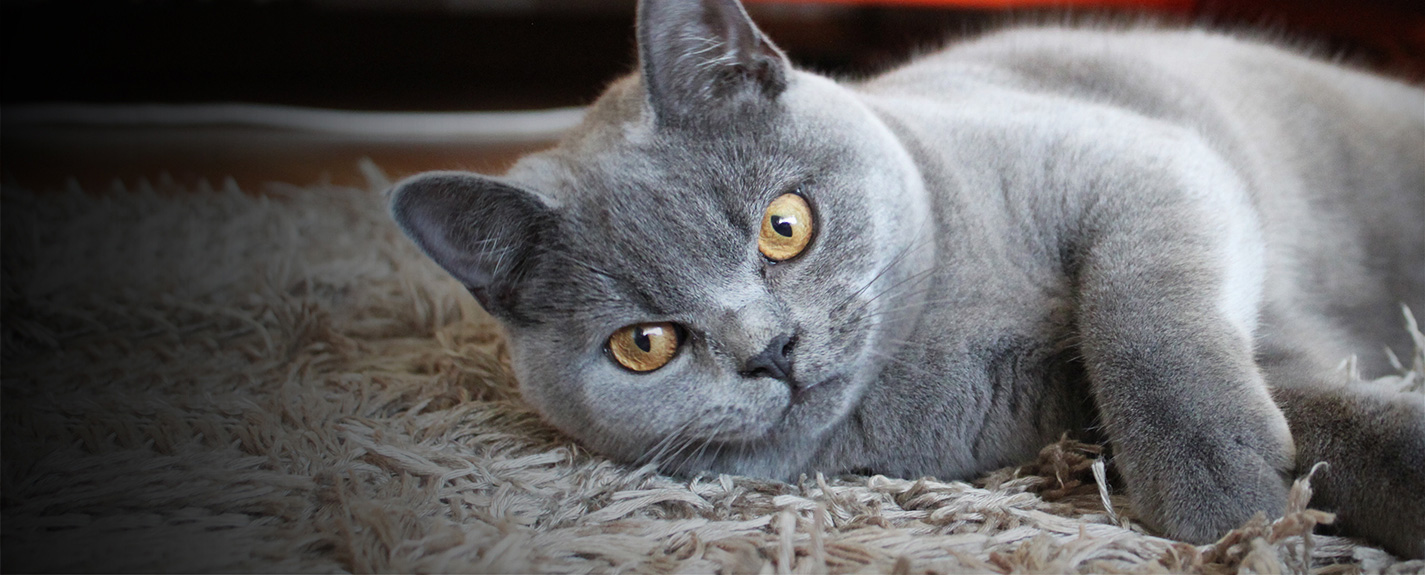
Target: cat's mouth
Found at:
x=802, y=393
x=806, y=404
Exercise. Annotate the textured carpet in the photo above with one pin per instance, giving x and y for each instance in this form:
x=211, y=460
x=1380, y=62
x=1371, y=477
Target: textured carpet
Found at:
x=213, y=380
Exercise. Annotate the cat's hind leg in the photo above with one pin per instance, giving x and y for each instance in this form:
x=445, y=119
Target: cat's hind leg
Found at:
x=1370, y=435
x=1372, y=439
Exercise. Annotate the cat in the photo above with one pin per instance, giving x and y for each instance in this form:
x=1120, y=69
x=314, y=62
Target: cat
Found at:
x=1163, y=239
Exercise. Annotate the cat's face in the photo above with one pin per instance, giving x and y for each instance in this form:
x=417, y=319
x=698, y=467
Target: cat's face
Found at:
x=735, y=277
x=665, y=226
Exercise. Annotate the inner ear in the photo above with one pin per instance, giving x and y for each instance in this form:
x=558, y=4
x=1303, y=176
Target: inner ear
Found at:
x=700, y=54
x=481, y=230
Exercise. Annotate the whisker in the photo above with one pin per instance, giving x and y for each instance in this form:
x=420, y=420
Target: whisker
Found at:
x=910, y=306
x=708, y=440
x=679, y=459
x=903, y=363
x=899, y=257
x=656, y=452
x=913, y=280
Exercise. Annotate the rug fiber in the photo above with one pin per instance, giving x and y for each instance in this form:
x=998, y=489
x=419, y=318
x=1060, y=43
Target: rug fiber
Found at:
x=218, y=380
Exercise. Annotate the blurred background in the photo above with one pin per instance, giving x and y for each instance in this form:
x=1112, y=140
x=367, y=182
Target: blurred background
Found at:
x=80, y=79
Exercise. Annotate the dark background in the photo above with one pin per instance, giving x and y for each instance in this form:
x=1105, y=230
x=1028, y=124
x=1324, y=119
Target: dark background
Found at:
x=474, y=55
x=520, y=55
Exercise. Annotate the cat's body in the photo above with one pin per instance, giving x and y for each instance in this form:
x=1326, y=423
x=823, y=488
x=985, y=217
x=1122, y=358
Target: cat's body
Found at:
x=1026, y=128
x=1044, y=230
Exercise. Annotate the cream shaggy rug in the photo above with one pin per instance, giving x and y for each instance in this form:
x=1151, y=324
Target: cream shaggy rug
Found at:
x=212, y=380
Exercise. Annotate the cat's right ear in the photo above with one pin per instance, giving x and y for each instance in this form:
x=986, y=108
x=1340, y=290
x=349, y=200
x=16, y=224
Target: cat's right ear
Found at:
x=700, y=55
x=479, y=229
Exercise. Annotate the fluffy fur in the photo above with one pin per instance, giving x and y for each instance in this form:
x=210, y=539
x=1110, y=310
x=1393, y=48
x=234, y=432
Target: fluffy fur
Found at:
x=224, y=381
x=1137, y=233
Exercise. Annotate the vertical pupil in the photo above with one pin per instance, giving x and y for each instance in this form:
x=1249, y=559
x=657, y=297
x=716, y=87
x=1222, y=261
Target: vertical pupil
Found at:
x=640, y=339
x=783, y=225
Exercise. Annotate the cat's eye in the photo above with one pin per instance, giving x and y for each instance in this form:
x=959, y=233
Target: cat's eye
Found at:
x=786, y=228
x=644, y=346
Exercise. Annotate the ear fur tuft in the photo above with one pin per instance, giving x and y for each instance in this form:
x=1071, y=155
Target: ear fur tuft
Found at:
x=698, y=55
x=480, y=229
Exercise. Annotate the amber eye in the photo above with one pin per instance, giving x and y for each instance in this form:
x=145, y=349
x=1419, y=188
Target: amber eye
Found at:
x=786, y=228
x=645, y=346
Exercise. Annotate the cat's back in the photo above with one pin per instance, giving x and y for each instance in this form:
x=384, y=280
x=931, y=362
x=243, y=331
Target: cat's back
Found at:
x=1149, y=70
x=1333, y=157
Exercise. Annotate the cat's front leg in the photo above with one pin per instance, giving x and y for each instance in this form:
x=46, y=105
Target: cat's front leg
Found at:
x=1167, y=297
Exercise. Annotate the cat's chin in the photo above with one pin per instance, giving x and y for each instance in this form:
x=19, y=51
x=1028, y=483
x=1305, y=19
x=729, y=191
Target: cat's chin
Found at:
x=802, y=393
x=811, y=405
x=814, y=409
x=780, y=447
x=808, y=410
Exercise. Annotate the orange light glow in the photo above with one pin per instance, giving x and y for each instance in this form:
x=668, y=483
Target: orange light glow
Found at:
x=1154, y=5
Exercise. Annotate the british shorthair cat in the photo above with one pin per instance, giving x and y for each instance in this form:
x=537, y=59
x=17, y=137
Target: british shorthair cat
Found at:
x=1165, y=239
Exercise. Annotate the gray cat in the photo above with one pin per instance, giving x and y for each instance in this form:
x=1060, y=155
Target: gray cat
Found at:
x=1166, y=238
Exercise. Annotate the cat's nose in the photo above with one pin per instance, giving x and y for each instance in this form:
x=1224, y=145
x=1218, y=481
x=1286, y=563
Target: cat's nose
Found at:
x=775, y=361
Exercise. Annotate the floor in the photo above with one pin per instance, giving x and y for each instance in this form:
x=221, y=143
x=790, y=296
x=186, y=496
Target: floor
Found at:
x=96, y=157
x=524, y=55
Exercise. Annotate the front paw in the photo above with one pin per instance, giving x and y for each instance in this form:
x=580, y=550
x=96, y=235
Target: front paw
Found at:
x=1199, y=489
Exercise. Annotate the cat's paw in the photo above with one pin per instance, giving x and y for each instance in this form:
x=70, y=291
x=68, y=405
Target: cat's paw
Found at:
x=1198, y=490
x=1372, y=439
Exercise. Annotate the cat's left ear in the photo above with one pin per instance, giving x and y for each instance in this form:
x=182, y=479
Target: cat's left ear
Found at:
x=697, y=55
x=482, y=230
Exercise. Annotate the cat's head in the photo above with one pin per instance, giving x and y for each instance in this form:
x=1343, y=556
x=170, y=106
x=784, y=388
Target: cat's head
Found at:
x=726, y=251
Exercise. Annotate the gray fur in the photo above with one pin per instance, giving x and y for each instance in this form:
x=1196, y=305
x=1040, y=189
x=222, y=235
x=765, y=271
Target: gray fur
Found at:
x=1132, y=233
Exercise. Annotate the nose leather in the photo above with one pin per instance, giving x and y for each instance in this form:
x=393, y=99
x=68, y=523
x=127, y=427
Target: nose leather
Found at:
x=773, y=361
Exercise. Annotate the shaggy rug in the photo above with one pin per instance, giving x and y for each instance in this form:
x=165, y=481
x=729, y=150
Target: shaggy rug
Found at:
x=214, y=380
